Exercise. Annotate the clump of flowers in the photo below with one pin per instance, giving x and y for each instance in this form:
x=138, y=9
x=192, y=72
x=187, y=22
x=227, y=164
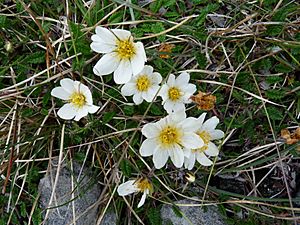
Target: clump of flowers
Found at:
x=140, y=185
x=207, y=132
x=78, y=97
x=173, y=136
x=121, y=55
x=176, y=92
x=144, y=85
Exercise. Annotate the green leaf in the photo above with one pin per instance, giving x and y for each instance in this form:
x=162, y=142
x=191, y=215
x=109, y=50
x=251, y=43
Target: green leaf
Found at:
x=156, y=110
x=281, y=68
x=108, y=116
x=126, y=168
x=153, y=215
x=157, y=28
x=35, y=58
x=274, y=113
x=275, y=94
x=156, y=5
x=203, y=13
x=274, y=79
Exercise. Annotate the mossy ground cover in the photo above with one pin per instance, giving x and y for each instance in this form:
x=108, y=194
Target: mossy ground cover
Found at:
x=245, y=53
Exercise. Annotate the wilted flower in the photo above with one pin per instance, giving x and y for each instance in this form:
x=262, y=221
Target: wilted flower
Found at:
x=121, y=55
x=177, y=92
x=78, y=97
x=173, y=136
x=141, y=185
x=207, y=132
x=204, y=101
x=145, y=85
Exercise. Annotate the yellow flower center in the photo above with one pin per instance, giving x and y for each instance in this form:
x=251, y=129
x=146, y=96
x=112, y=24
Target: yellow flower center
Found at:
x=205, y=136
x=143, y=83
x=174, y=93
x=169, y=136
x=78, y=99
x=125, y=49
x=144, y=184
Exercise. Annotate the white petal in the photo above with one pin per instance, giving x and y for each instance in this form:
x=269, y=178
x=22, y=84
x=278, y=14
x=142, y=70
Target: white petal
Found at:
x=190, y=89
x=82, y=112
x=160, y=157
x=212, y=149
x=187, y=152
x=92, y=109
x=86, y=92
x=168, y=106
x=164, y=92
x=138, y=61
x=68, y=85
x=123, y=73
x=101, y=47
x=178, y=107
x=147, y=70
x=107, y=64
x=67, y=112
x=182, y=79
x=177, y=156
x=151, y=130
x=216, y=134
x=189, y=124
x=171, y=80
x=127, y=188
x=148, y=147
x=61, y=93
x=150, y=94
x=142, y=201
x=192, y=141
x=156, y=78
x=200, y=120
x=203, y=160
x=178, y=117
x=211, y=123
x=128, y=89
x=190, y=161
x=105, y=35
x=137, y=98
x=121, y=34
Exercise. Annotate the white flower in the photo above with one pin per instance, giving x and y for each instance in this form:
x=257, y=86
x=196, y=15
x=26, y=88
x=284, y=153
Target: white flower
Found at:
x=141, y=185
x=207, y=132
x=145, y=85
x=79, y=99
x=121, y=55
x=176, y=92
x=172, y=136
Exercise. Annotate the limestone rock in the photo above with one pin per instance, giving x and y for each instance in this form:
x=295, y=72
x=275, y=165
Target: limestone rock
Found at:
x=192, y=215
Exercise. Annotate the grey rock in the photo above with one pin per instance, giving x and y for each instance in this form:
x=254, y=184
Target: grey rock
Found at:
x=86, y=193
x=109, y=218
x=192, y=215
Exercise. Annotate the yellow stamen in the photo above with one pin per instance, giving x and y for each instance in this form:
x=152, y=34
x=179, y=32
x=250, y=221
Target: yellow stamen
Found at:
x=78, y=99
x=143, y=83
x=169, y=136
x=144, y=184
x=174, y=93
x=125, y=49
x=205, y=136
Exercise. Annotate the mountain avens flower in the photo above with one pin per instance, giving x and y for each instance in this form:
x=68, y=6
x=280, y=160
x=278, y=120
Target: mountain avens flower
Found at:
x=78, y=99
x=173, y=136
x=140, y=185
x=207, y=132
x=176, y=92
x=121, y=55
x=143, y=86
